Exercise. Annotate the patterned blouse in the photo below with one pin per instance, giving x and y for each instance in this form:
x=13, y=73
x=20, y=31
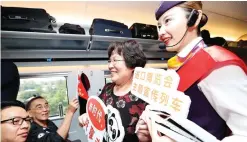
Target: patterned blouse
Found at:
x=129, y=106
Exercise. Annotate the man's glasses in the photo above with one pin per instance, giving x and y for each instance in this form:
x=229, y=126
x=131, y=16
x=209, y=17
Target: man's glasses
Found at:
x=19, y=120
x=114, y=61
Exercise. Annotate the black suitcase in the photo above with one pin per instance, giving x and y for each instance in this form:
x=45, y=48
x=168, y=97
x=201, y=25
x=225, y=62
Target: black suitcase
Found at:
x=26, y=19
x=109, y=28
x=144, y=31
x=71, y=29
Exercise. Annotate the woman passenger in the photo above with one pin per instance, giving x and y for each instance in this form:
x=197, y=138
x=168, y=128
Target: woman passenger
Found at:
x=123, y=58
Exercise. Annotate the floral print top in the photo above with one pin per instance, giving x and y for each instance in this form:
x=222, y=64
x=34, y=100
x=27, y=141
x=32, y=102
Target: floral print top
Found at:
x=129, y=106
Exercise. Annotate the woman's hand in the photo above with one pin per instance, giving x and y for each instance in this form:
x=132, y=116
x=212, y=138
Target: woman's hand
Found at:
x=82, y=119
x=143, y=132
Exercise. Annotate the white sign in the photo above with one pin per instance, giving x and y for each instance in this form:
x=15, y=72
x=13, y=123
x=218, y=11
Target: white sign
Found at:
x=95, y=123
x=159, y=88
x=177, y=128
x=114, y=128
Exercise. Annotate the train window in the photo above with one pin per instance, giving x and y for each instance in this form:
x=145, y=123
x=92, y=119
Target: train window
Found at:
x=53, y=89
x=107, y=76
x=108, y=80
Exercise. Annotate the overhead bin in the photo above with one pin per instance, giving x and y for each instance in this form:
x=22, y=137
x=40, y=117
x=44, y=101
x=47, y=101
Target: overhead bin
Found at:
x=99, y=44
x=102, y=43
x=37, y=41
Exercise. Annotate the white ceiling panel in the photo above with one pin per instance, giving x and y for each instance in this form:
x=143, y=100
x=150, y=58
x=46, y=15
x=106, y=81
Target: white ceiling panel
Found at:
x=129, y=12
x=234, y=9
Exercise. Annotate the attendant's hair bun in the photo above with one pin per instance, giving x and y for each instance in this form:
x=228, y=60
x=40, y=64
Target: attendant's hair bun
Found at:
x=204, y=20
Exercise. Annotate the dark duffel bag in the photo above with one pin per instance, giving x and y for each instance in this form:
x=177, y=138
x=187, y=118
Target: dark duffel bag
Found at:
x=71, y=29
x=145, y=31
x=26, y=19
x=109, y=28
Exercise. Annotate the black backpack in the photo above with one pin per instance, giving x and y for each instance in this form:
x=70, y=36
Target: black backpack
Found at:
x=71, y=29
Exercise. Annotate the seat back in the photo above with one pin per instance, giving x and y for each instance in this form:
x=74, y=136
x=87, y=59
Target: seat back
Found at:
x=10, y=81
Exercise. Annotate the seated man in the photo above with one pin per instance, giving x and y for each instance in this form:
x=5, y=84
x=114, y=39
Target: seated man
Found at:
x=15, y=122
x=44, y=130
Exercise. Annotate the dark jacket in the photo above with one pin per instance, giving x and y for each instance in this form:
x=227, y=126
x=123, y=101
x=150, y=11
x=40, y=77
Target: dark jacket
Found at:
x=38, y=133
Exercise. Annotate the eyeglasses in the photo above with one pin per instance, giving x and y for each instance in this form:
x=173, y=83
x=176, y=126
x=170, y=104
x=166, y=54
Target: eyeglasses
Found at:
x=19, y=120
x=114, y=61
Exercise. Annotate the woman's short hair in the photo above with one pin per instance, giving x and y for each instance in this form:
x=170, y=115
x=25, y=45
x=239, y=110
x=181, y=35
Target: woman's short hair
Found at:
x=131, y=51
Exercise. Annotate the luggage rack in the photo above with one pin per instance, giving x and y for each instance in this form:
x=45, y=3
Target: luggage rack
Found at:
x=23, y=45
x=99, y=42
x=37, y=41
x=149, y=46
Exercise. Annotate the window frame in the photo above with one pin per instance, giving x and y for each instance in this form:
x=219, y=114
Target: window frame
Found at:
x=47, y=75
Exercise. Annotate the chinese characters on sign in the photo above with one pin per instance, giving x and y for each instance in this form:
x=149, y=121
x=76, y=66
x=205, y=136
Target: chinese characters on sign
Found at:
x=159, y=87
x=95, y=125
x=96, y=112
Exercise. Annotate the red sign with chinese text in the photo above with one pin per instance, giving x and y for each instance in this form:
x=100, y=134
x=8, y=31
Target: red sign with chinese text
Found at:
x=96, y=112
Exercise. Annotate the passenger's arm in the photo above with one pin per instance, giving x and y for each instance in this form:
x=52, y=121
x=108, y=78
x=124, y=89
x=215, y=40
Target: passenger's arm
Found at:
x=64, y=128
x=226, y=90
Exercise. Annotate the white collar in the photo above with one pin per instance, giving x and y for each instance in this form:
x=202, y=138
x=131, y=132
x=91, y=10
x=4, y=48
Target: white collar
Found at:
x=186, y=50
